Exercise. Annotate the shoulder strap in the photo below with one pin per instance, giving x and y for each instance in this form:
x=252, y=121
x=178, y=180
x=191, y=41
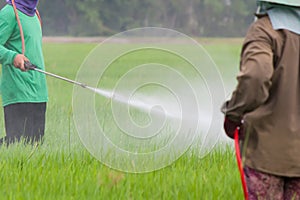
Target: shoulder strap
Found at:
x=39, y=16
x=20, y=25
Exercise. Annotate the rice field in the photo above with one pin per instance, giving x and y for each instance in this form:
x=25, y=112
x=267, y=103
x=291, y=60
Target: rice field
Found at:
x=62, y=168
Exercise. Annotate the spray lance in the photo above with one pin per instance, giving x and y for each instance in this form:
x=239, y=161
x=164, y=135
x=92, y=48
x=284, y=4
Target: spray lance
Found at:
x=29, y=66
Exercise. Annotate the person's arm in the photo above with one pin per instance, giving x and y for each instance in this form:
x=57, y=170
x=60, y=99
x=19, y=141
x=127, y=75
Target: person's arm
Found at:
x=254, y=78
x=6, y=55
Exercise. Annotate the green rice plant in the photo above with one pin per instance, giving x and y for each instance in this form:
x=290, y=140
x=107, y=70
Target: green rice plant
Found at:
x=62, y=168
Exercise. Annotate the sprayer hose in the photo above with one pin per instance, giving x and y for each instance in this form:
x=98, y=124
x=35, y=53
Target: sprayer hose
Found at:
x=20, y=25
x=240, y=163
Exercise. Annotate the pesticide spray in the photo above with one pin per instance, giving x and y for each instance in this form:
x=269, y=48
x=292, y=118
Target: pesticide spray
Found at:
x=138, y=103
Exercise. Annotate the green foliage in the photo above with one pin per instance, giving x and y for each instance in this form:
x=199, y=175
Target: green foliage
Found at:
x=60, y=174
x=106, y=17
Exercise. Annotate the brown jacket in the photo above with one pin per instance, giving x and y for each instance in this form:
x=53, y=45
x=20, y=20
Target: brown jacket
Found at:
x=268, y=99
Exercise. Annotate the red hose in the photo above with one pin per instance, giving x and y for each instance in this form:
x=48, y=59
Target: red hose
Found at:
x=239, y=162
x=39, y=16
x=20, y=26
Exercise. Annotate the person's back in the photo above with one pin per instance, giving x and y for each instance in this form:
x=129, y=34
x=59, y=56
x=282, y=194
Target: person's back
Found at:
x=274, y=92
x=267, y=99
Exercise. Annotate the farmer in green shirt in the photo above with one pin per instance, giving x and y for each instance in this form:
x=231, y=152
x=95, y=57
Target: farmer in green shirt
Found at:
x=24, y=93
x=267, y=100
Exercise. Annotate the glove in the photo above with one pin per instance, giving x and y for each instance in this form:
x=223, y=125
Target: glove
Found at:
x=230, y=127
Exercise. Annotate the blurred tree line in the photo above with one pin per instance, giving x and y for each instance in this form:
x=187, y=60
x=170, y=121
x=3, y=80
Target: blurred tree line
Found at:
x=208, y=18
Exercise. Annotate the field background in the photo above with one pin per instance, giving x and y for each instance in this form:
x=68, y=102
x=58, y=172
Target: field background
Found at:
x=62, y=168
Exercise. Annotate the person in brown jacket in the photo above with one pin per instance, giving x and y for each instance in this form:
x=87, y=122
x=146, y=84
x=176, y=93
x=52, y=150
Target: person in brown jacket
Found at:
x=266, y=102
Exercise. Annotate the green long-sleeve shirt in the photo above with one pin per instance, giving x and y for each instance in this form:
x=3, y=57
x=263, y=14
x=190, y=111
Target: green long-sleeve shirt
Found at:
x=18, y=86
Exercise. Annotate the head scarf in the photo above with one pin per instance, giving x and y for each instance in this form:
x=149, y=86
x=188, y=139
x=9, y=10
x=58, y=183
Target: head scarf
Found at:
x=27, y=7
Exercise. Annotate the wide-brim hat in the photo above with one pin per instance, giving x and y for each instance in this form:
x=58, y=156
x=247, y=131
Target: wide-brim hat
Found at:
x=295, y=3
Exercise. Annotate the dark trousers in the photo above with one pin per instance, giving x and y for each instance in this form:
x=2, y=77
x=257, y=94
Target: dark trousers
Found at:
x=262, y=185
x=24, y=121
